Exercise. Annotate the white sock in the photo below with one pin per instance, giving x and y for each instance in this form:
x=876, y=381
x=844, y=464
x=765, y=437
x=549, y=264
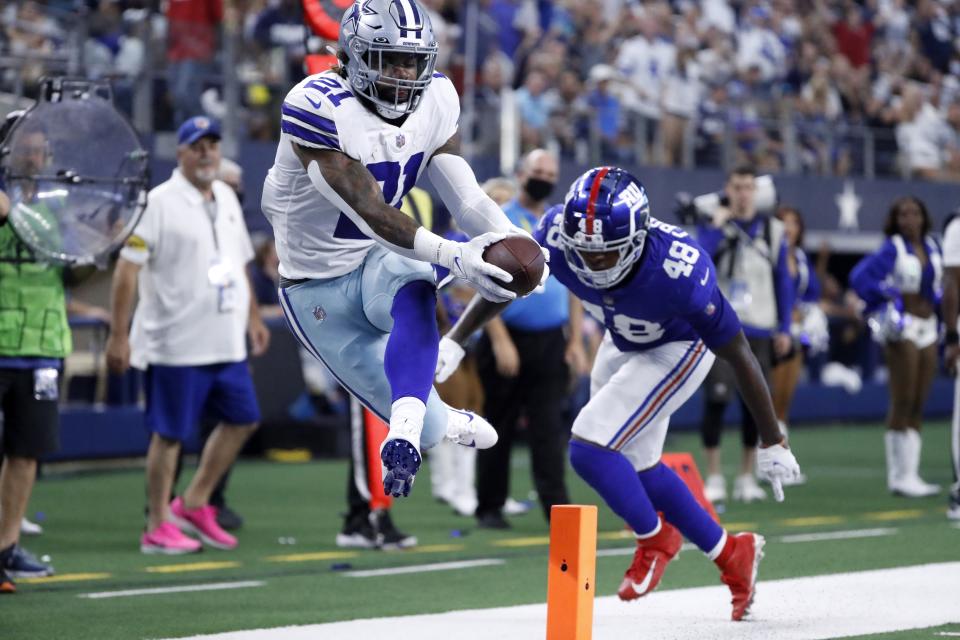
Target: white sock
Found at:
x=714, y=553
x=408, y=409
x=650, y=534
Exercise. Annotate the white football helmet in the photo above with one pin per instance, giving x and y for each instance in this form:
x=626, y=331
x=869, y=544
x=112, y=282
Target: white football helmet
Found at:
x=373, y=31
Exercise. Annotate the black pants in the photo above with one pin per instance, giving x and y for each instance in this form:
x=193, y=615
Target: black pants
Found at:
x=539, y=392
x=720, y=387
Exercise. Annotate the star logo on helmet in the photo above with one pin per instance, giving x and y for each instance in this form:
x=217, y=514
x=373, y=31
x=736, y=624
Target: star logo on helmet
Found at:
x=355, y=16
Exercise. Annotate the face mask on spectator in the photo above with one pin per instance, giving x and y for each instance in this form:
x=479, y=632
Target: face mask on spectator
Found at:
x=538, y=189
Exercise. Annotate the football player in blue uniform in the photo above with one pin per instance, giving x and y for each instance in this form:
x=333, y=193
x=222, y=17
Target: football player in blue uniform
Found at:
x=655, y=291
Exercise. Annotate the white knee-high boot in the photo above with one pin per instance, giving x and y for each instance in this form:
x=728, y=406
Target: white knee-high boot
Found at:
x=892, y=441
x=912, y=485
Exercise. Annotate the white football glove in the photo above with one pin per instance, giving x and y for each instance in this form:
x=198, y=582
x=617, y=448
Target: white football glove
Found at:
x=465, y=260
x=520, y=231
x=448, y=359
x=777, y=464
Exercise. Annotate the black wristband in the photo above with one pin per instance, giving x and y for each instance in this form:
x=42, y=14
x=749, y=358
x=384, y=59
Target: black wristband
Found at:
x=953, y=337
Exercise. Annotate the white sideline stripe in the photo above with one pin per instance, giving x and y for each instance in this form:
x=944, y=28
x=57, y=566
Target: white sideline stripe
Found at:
x=810, y=608
x=424, y=568
x=212, y=586
x=839, y=535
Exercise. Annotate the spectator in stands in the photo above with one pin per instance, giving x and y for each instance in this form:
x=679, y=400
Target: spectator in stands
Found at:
x=279, y=27
x=854, y=34
x=192, y=41
x=606, y=111
x=569, y=120
x=523, y=361
x=679, y=102
x=535, y=101
x=494, y=78
x=922, y=135
x=712, y=126
x=189, y=333
x=901, y=286
x=750, y=252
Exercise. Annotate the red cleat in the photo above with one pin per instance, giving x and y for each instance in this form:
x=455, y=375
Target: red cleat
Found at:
x=738, y=564
x=649, y=562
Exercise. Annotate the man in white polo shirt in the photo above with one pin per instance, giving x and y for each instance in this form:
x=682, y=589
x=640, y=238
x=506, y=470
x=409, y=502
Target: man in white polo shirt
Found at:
x=189, y=334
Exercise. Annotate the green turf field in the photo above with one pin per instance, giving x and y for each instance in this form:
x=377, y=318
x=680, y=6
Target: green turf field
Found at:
x=93, y=521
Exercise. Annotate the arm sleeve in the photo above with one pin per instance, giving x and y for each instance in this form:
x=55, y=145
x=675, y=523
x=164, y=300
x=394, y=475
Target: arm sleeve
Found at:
x=785, y=290
x=453, y=177
x=457, y=185
x=142, y=243
x=307, y=117
x=869, y=275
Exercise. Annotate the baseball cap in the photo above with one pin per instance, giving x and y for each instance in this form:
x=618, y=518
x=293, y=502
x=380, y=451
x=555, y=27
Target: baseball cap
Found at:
x=197, y=127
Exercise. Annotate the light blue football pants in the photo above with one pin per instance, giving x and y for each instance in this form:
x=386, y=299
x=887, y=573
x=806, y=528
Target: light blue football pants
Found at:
x=344, y=322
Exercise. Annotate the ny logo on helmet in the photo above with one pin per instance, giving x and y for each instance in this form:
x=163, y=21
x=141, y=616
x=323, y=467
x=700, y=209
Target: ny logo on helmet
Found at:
x=633, y=197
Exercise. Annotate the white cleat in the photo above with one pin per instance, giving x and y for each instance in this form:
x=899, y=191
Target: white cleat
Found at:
x=400, y=457
x=912, y=486
x=746, y=489
x=29, y=528
x=715, y=489
x=470, y=430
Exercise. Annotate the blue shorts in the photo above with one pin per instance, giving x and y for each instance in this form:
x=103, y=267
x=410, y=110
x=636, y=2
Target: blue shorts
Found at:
x=177, y=397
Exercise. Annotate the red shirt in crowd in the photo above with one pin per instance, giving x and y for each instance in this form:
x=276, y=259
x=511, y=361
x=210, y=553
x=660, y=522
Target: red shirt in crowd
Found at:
x=853, y=43
x=192, y=28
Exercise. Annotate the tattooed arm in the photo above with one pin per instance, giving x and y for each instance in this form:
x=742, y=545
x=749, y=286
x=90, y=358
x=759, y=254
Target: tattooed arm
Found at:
x=358, y=195
x=351, y=188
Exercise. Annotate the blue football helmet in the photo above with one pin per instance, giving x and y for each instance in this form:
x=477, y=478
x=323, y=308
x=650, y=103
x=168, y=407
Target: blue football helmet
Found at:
x=605, y=210
x=373, y=29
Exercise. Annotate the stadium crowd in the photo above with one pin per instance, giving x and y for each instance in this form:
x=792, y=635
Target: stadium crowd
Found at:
x=799, y=85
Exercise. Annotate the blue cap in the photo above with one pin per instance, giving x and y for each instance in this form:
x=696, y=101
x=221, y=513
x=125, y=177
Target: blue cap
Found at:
x=197, y=127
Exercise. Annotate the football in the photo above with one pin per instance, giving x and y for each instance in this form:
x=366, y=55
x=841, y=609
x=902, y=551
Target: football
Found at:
x=522, y=258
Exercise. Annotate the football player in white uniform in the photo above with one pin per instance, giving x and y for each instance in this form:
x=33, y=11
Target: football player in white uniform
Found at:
x=357, y=286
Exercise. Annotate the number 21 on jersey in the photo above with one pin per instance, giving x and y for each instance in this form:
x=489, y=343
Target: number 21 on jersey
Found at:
x=681, y=260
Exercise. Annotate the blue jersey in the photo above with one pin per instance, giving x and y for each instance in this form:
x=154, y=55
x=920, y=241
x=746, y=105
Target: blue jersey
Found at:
x=670, y=296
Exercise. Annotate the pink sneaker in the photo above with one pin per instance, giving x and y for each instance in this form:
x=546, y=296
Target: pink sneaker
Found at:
x=201, y=522
x=168, y=540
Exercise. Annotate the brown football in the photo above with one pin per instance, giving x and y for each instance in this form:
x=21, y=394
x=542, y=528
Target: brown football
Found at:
x=522, y=258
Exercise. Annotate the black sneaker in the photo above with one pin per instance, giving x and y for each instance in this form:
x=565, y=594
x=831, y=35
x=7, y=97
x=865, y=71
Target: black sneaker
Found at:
x=492, y=520
x=358, y=533
x=229, y=519
x=391, y=538
x=17, y=562
x=6, y=583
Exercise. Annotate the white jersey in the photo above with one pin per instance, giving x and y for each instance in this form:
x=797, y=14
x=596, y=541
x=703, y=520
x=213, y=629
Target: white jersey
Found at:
x=315, y=240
